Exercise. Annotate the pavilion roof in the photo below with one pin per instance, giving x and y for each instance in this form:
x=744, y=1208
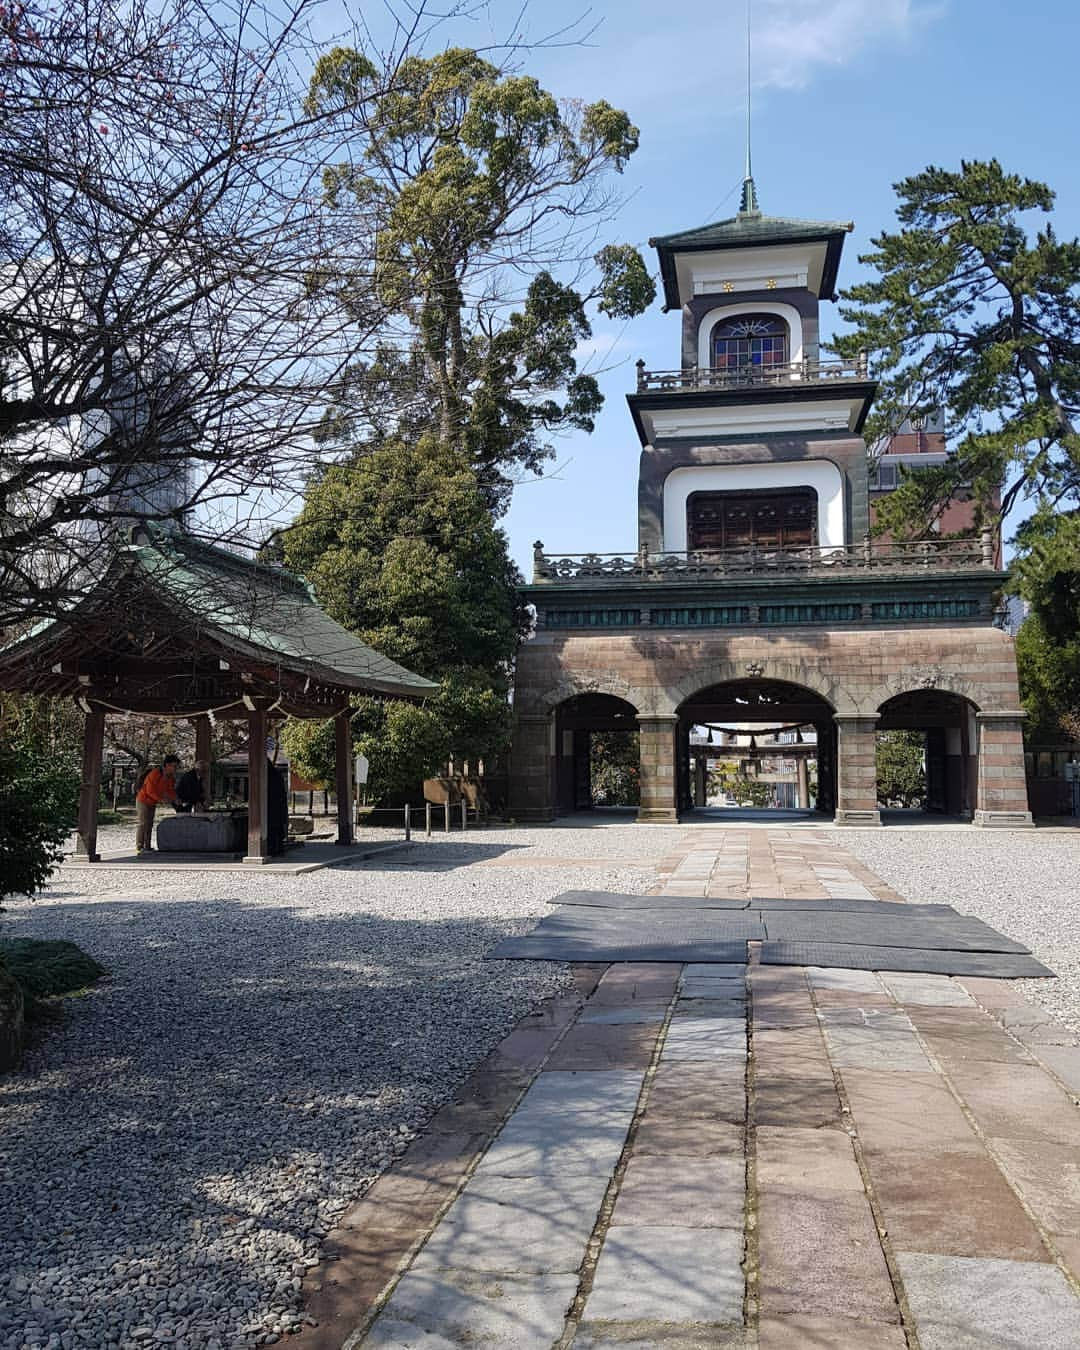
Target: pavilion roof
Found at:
x=207, y=599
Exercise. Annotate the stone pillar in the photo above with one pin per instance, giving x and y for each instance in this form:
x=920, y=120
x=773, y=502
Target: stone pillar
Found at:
x=90, y=784
x=532, y=787
x=700, y=767
x=856, y=771
x=803, y=788
x=1001, y=791
x=343, y=776
x=658, y=776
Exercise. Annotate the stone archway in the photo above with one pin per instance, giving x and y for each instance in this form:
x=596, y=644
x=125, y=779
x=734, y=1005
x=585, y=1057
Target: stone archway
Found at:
x=583, y=723
x=769, y=731
x=946, y=721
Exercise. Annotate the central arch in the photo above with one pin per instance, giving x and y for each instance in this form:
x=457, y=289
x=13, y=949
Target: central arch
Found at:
x=776, y=739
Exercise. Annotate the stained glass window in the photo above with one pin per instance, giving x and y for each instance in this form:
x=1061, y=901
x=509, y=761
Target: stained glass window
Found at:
x=750, y=340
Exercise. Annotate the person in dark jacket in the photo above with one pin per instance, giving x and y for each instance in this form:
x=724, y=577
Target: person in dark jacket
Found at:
x=190, y=794
x=277, y=809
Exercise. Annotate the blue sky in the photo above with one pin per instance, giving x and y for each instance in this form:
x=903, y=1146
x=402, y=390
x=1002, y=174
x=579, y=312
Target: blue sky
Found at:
x=849, y=96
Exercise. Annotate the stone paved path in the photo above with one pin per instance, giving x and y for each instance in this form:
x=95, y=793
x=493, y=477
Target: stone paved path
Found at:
x=737, y=1156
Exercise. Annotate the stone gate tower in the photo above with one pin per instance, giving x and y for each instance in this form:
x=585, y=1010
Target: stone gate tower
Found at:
x=755, y=593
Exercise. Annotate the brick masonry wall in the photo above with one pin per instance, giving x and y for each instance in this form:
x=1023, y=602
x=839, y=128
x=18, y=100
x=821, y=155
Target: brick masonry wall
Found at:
x=854, y=671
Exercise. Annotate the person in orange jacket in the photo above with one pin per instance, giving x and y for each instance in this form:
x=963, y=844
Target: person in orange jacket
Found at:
x=158, y=786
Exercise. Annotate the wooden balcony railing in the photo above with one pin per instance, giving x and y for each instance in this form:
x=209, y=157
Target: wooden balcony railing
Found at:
x=927, y=555
x=749, y=376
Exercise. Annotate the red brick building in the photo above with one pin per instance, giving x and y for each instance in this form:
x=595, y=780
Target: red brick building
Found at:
x=755, y=594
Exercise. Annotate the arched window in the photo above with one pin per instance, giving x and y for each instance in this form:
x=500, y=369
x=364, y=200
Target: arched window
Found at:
x=750, y=340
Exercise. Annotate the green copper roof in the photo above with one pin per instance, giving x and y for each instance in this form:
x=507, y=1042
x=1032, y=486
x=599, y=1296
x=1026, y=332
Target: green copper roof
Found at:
x=261, y=613
x=750, y=229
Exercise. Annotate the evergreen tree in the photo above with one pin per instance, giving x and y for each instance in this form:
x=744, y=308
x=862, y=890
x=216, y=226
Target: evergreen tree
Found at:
x=476, y=198
x=402, y=549
x=971, y=313
x=901, y=768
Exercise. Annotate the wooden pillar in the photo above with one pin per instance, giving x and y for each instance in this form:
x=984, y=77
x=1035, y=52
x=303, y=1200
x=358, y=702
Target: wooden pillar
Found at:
x=343, y=775
x=202, y=753
x=1001, y=787
x=658, y=771
x=856, y=770
x=90, y=784
x=257, y=802
x=700, y=779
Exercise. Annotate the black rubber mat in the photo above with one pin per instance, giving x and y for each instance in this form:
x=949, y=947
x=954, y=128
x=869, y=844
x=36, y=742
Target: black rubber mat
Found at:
x=847, y=956
x=842, y=905
x=952, y=932
x=610, y=900
x=856, y=934
x=606, y=948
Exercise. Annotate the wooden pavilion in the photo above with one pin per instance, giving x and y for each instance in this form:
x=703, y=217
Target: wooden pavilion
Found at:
x=180, y=628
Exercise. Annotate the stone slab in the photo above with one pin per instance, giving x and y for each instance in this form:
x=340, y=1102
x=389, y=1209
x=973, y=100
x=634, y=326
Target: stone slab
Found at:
x=675, y=1136
x=440, y=1310
x=821, y=1255
x=961, y=1303
x=645, y=1010
x=1064, y=1061
x=592, y=1046
x=682, y=1192
x=927, y=990
x=810, y=1161
x=870, y=1047
x=911, y=1110
x=517, y=1225
x=649, y=1272
x=1017, y=1101
x=952, y=1202
x=715, y=1088
x=704, y=1038
x=645, y=1334
x=801, y=1332
x=1048, y=1177
x=850, y=981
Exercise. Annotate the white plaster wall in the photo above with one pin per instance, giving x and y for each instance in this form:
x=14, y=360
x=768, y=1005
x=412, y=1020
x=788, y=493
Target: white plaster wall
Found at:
x=788, y=313
x=820, y=474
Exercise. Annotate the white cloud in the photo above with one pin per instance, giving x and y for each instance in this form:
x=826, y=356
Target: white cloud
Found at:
x=792, y=39
x=665, y=56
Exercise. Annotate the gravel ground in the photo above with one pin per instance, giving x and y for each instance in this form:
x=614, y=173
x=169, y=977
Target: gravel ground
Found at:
x=1025, y=883
x=173, y=1153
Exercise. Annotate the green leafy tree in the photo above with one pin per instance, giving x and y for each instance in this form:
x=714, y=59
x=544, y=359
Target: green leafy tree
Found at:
x=477, y=197
x=39, y=796
x=402, y=549
x=972, y=313
x=614, y=772
x=901, y=768
x=1046, y=572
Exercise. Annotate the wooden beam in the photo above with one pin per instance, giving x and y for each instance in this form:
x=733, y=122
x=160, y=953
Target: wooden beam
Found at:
x=90, y=786
x=202, y=754
x=257, y=802
x=343, y=775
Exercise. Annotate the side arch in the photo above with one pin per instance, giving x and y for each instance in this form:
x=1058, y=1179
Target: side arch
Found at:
x=923, y=679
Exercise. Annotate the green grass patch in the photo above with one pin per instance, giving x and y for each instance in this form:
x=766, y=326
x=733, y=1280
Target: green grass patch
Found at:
x=46, y=968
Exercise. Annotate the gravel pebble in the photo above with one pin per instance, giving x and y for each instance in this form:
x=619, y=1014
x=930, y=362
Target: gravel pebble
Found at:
x=173, y=1153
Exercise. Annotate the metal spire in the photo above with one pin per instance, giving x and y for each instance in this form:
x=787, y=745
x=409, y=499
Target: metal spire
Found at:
x=748, y=203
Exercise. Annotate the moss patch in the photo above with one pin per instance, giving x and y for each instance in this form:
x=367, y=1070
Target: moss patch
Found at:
x=44, y=969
